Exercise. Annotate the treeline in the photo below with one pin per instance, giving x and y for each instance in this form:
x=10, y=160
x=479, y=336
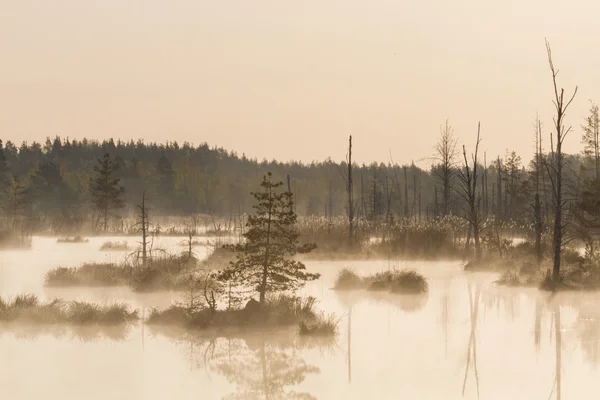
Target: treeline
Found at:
x=55, y=181
x=59, y=185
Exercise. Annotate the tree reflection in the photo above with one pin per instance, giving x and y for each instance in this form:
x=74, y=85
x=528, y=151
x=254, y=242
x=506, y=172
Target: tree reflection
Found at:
x=261, y=370
x=558, y=352
x=260, y=365
x=588, y=329
x=472, y=345
x=82, y=333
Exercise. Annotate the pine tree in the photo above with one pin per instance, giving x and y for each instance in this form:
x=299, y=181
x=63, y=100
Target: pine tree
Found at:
x=108, y=194
x=264, y=261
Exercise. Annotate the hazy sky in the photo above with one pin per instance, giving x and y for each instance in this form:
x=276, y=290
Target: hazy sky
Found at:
x=290, y=80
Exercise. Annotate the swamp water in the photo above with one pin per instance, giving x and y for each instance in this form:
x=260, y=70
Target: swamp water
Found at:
x=466, y=339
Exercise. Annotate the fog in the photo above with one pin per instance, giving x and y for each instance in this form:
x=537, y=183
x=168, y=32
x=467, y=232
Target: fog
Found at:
x=467, y=338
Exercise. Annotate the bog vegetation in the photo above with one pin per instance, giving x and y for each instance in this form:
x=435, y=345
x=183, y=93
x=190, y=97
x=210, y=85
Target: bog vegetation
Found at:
x=527, y=222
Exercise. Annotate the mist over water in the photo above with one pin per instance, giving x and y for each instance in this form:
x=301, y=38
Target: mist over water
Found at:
x=467, y=338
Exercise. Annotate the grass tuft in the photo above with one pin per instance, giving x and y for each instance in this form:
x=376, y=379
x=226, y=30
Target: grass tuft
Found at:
x=115, y=246
x=321, y=325
x=28, y=308
x=347, y=279
x=407, y=281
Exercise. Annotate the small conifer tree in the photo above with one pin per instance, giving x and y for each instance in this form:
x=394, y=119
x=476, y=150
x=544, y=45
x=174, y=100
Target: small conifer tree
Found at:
x=264, y=261
x=105, y=188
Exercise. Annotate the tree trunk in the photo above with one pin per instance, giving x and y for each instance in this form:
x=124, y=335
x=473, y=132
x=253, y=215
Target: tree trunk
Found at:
x=350, y=189
x=538, y=228
x=263, y=285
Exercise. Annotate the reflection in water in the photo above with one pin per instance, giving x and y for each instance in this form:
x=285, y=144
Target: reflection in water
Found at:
x=260, y=366
x=349, y=345
x=517, y=346
x=537, y=326
x=588, y=329
x=472, y=346
x=445, y=314
x=558, y=352
x=261, y=370
x=406, y=302
x=85, y=333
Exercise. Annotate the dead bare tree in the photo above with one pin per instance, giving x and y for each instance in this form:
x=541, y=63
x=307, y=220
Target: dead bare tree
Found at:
x=446, y=157
x=537, y=205
x=350, y=192
x=468, y=191
x=555, y=165
x=144, y=227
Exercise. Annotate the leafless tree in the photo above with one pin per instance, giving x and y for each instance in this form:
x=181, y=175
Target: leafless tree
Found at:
x=556, y=163
x=447, y=164
x=591, y=137
x=350, y=192
x=468, y=191
x=537, y=205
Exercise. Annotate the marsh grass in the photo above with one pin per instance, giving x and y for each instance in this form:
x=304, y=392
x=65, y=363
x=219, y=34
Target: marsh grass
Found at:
x=509, y=278
x=407, y=281
x=161, y=273
x=320, y=325
x=278, y=311
x=27, y=308
x=348, y=279
x=75, y=239
x=430, y=239
x=115, y=246
x=14, y=240
x=90, y=274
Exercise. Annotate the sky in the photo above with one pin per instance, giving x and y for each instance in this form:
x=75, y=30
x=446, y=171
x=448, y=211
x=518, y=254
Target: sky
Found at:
x=291, y=80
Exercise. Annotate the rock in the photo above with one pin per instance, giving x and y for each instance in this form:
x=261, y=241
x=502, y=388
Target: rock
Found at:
x=252, y=306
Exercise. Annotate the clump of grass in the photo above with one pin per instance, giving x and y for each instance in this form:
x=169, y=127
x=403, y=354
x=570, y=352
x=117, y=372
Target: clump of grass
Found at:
x=114, y=246
x=164, y=273
x=75, y=239
x=509, y=278
x=28, y=308
x=321, y=325
x=90, y=274
x=83, y=313
x=408, y=281
x=347, y=279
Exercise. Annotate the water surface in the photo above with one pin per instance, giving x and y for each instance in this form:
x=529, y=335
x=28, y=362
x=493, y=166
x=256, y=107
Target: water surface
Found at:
x=466, y=339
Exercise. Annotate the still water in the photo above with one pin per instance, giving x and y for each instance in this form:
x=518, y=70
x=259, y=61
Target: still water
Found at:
x=466, y=339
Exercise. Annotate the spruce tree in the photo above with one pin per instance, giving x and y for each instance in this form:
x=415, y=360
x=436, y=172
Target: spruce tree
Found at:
x=105, y=188
x=264, y=261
